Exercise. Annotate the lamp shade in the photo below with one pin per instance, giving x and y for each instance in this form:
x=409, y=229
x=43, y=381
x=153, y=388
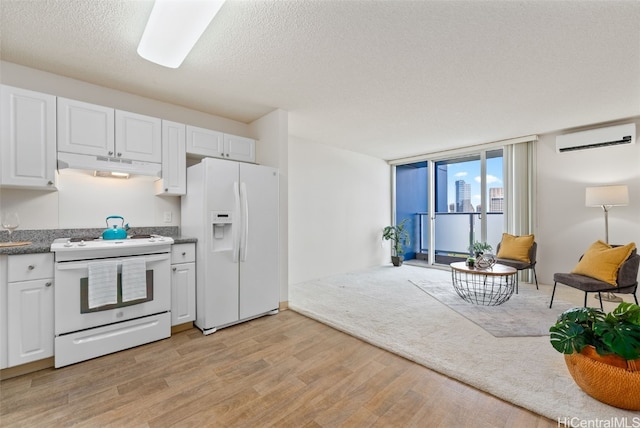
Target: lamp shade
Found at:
x=607, y=195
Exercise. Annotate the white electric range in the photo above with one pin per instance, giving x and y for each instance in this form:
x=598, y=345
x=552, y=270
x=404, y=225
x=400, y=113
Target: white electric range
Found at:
x=110, y=295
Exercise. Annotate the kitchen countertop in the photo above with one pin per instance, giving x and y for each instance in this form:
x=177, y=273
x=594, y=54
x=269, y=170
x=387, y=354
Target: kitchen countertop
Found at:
x=41, y=239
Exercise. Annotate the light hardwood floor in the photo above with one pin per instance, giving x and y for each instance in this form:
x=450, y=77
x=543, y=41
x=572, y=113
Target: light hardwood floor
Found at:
x=284, y=370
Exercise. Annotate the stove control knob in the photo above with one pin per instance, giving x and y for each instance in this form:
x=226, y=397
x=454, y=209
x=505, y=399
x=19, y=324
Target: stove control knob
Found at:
x=68, y=243
x=82, y=243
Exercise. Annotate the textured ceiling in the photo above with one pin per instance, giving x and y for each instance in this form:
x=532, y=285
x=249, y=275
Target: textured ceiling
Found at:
x=385, y=78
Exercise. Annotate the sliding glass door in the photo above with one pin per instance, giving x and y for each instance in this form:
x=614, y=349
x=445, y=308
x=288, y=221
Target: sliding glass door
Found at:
x=452, y=202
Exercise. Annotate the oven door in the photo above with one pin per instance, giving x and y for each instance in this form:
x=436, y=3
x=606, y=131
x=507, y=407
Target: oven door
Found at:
x=74, y=312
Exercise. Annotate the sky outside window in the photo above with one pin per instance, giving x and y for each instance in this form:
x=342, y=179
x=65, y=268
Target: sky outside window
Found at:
x=469, y=171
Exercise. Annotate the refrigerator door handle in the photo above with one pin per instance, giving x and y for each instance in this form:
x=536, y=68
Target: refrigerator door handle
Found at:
x=235, y=226
x=244, y=233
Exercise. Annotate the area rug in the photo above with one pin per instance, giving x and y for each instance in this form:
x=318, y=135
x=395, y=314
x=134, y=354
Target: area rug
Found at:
x=383, y=307
x=524, y=314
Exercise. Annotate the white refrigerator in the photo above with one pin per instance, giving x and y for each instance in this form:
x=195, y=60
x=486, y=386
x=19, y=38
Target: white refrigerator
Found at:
x=232, y=209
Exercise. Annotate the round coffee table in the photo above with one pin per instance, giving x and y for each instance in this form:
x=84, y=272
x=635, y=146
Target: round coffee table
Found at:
x=490, y=287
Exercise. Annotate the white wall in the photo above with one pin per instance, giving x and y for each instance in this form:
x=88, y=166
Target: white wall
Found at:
x=566, y=227
x=83, y=201
x=339, y=201
x=273, y=150
x=338, y=204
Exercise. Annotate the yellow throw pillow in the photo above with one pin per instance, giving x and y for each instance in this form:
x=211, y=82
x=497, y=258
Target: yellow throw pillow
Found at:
x=602, y=261
x=515, y=247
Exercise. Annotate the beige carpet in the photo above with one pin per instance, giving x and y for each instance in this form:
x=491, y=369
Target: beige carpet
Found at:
x=526, y=313
x=383, y=306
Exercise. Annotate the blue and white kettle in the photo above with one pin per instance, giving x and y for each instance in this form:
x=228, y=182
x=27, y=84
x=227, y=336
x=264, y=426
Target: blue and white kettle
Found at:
x=115, y=231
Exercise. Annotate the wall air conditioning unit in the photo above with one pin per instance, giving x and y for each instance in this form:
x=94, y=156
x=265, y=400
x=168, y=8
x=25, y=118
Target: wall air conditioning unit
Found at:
x=594, y=138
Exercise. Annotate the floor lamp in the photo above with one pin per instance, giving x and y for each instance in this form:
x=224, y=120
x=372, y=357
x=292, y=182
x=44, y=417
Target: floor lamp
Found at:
x=607, y=197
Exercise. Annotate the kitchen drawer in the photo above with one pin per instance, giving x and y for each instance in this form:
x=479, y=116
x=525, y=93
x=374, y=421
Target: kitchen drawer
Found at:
x=95, y=342
x=183, y=253
x=26, y=267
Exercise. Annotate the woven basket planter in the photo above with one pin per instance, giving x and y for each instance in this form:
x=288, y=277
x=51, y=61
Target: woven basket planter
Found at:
x=605, y=380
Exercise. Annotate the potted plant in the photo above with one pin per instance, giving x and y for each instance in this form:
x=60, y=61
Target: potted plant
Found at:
x=399, y=237
x=479, y=248
x=602, y=352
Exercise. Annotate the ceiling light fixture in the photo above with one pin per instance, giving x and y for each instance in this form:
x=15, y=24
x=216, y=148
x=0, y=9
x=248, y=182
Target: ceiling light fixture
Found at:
x=173, y=29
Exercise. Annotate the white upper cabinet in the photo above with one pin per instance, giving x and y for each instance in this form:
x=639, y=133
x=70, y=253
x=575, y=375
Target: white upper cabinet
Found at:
x=91, y=129
x=138, y=137
x=174, y=160
x=27, y=139
x=215, y=144
x=85, y=128
x=239, y=148
x=205, y=142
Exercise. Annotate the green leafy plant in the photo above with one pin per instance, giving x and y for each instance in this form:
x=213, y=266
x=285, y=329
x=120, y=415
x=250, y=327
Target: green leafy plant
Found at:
x=480, y=247
x=398, y=235
x=617, y=332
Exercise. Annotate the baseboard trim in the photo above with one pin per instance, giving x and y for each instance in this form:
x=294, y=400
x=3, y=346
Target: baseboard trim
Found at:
x=31, y=367
x=181, y=327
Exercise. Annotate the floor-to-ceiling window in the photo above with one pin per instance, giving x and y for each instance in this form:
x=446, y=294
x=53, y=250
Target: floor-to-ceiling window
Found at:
x=412, y=203
x=451, y=202
x=468, y=203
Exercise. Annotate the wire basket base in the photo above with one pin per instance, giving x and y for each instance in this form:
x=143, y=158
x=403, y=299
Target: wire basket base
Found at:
x=482, y=288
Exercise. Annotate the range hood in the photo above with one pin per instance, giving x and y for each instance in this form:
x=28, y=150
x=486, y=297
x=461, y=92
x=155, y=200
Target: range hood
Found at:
x=107, y=164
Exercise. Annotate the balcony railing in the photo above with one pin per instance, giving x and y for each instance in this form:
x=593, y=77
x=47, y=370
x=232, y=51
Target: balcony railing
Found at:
x=454, y=234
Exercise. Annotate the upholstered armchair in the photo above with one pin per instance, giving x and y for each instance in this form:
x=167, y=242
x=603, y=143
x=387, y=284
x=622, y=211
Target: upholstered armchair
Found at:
x=626, y=280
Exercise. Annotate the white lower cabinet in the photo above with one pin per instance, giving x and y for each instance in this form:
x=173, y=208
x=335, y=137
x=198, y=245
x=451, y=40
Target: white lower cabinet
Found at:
x=30, y=321
x=183, y=284
x=29, y=308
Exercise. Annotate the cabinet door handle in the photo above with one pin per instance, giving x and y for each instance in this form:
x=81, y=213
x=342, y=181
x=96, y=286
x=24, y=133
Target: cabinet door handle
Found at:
x=184, y=253
x=119, y=154
x=175, y=269
x=110, y=153
x=31, y=267
x=50, y=183
x=47, y=284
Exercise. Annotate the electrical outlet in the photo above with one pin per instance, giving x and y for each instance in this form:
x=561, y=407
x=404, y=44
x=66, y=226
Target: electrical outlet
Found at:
x=167, y=216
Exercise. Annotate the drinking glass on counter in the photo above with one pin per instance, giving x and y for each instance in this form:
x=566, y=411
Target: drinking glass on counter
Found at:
x=10, y=221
